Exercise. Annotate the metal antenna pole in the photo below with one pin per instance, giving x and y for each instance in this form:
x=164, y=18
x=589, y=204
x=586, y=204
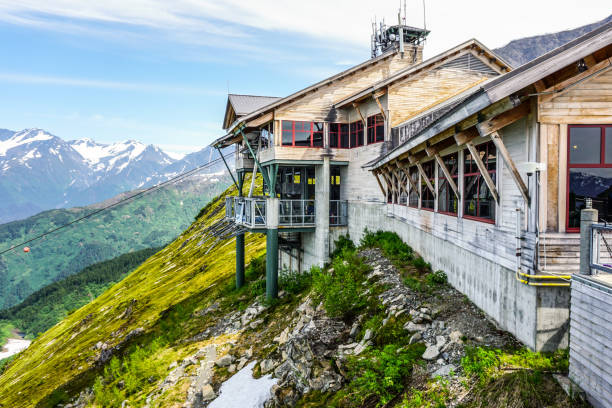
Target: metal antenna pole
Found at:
x=424, y=21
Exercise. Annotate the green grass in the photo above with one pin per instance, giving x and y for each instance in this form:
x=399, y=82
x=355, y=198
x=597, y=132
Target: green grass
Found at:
x=150, y=221
x=179, y=279
x=5, y=332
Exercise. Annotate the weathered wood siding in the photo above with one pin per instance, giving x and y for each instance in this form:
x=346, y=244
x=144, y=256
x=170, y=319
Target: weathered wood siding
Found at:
x=590, y=334
x=422, y=92
x=588, y=102
x=316, y=105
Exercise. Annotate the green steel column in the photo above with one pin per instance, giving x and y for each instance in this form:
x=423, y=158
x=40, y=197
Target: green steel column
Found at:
x=272, y=264
x=240, y=243
x=239, y=261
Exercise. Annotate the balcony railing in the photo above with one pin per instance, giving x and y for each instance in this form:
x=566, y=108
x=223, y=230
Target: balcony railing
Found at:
x=251, y=212
x=247, y=211
x=297, y=213
x=338, y=212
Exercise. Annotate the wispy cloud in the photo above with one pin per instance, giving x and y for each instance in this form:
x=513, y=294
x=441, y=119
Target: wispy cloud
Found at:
x=105, y=84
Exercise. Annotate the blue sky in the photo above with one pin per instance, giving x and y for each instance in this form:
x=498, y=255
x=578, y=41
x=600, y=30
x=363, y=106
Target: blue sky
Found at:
x=158, y=71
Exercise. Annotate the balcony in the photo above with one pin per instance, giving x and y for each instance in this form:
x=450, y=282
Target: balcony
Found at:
x=251, y=212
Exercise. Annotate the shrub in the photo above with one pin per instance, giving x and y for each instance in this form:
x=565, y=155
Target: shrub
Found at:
x=295, y=282
x=382, y=373
x=436, y=278
x=391, y=244
x=420, y=263
x=340, y=287
x=341, y=244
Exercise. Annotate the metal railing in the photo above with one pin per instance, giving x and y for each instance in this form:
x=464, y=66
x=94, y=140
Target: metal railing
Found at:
x=338, y=212
x=251, y=212
x=297, y=213
x=247, y=211
x=601, y=247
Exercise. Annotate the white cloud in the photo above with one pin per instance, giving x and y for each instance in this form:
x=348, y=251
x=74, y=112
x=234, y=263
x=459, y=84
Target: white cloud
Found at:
x=105, y=84
x=231, y=23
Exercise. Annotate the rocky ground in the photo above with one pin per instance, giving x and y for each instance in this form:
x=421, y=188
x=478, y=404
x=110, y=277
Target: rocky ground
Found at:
x=307, y=351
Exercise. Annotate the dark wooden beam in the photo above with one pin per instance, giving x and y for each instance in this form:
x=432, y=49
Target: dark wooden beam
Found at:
x=447, y=175
x=503, y=119
x=466, y=136
x=483, y=170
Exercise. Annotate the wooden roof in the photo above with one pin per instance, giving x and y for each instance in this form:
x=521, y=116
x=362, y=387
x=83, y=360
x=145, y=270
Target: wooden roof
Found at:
x=431, y=63
x=240, y=105
x=544, y=74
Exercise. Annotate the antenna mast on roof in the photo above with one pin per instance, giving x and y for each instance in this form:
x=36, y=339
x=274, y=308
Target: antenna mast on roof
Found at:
x=424, y=22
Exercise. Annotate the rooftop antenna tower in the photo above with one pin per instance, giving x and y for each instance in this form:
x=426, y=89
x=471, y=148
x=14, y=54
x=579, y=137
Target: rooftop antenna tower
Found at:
x=396, y=37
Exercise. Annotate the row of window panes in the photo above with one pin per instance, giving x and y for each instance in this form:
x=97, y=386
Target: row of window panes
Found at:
x=589, y=172
x=341, y=135
x=478, y=201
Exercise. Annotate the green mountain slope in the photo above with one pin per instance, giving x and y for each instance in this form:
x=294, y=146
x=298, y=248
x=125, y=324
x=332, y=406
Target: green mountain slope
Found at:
x=47, y=306
x=149, y=221
x=148, y=302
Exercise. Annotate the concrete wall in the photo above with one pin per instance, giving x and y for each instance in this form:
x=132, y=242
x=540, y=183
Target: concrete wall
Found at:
x=536, y=316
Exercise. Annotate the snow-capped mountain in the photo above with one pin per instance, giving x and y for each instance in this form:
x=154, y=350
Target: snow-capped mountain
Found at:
x=40, y=171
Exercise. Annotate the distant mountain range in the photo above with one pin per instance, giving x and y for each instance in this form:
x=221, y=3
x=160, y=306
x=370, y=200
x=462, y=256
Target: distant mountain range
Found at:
x=40, y=171
x=523, y=50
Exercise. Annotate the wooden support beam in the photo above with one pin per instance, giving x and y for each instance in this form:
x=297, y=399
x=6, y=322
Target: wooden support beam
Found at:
x=400, y=184
x=503, y=119
x=410, y=180
x=466, y=136
x=501, y=149
x=401, y=172
x=382, y=111
x=422, y=172
x=483, y=170
x=447, y=175
x=380, y=184
x=561, y=87
x=539, y=86
x=438, y=147
x=359, y=112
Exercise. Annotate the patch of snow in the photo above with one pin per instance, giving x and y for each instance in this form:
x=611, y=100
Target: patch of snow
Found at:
x=24, y=137
x=176, y=156
x=244, y=391
x=14, y=346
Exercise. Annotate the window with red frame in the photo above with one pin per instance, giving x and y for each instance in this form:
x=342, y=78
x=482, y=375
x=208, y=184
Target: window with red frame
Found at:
x=478, y=202
x=428, y=198
x=447, y=200
x=589, y=172
x=356, y=131
x=302, y=134
x=413, y=195
x=339, y=135
x=376, y=129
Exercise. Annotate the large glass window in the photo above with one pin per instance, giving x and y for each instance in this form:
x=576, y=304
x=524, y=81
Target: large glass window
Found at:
x=413, y=196
x=427, y=199
x=589, y=172
x=478, y=202
x=447, y=200
x=339, y=135
x=376, y=129
x=302, y=134
x=356, y=129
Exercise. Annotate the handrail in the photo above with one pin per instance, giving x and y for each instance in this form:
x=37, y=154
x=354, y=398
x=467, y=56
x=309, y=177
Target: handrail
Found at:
x=338, y=212
x=596, y=238
x=296, y=212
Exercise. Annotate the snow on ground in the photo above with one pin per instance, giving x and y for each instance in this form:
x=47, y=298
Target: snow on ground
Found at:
x=14, y=346
x=23, y=137
x=244, y=391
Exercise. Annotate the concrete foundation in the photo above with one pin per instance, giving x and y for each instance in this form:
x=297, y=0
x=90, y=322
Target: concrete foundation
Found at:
x=537, y=316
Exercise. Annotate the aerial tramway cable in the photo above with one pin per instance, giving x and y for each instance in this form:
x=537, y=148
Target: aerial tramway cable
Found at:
x=134, y=196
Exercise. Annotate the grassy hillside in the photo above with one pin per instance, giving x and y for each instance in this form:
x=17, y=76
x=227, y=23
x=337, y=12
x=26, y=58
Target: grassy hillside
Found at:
x=147, y=306
x=47, y=306
x=150, y=221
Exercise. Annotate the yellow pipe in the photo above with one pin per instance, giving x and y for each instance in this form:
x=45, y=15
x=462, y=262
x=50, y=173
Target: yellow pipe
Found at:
x=518, y=272
x=545, y=276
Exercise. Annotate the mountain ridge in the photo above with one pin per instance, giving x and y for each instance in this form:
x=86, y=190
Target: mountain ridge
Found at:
x=41, y=171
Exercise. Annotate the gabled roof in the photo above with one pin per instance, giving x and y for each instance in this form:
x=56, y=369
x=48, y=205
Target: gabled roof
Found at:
x=495, y=89
x=240, y=105
x=298, y=94
x=438, y=60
